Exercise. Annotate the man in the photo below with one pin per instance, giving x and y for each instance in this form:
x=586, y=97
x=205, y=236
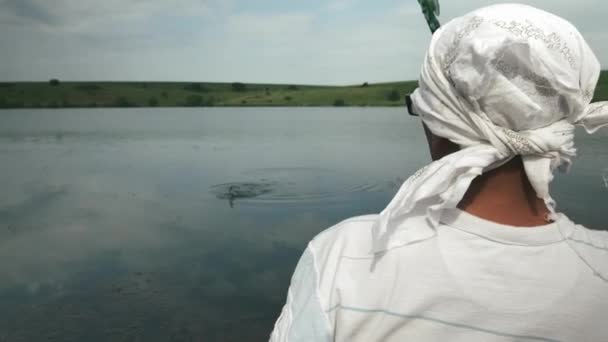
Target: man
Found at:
x=472, y=248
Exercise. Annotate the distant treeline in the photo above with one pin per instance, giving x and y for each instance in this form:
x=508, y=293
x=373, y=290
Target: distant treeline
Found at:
x=58, y=94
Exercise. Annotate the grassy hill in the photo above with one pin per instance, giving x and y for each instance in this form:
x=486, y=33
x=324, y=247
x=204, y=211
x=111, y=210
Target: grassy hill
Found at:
x=177, y=94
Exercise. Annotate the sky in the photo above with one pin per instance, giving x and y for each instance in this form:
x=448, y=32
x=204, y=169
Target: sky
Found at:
x=334, y=42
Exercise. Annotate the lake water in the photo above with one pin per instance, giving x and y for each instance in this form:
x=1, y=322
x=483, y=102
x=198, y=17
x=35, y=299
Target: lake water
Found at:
x=186, y=224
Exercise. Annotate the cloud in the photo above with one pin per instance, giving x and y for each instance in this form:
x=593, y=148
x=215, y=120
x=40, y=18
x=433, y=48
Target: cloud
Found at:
x=340, y=5
x=255, y=26
x=331, y=42
x=27, y=10
x=306, y=47
x=86, y=16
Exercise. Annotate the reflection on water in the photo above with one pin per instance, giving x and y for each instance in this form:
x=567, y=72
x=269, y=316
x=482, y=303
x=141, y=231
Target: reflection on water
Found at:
x=185, y=224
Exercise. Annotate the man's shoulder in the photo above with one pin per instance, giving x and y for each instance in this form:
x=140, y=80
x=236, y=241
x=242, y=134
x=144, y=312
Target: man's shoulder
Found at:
x=589, y=238
x=350, y=237
x=591, y=246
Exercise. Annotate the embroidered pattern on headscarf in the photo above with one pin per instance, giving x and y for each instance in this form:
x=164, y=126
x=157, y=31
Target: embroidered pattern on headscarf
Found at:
x=529, y=30
x=450, y=56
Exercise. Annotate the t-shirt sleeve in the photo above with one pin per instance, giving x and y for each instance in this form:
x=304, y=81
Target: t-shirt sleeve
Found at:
x=303, y=317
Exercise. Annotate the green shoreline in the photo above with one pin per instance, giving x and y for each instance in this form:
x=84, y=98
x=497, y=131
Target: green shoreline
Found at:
x=59, y=94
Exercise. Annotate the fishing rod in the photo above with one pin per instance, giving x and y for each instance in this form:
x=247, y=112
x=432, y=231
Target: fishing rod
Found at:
x=430, y=9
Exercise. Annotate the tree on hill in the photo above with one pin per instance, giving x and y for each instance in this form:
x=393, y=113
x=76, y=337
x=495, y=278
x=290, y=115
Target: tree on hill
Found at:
x=194, y=101
x=292, y=87
x=365, y=85
x=339, y=103
x=238, y=86
x=54, y=82
x=196, y=87
x=393, y=95
x=88, y=87
x=210, y=102
x=123, y=102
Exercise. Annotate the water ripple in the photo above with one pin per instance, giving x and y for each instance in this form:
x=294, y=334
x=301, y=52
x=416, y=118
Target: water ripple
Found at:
x=286, y=185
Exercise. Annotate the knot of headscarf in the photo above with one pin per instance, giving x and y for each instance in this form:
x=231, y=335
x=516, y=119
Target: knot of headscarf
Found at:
x=502, y=81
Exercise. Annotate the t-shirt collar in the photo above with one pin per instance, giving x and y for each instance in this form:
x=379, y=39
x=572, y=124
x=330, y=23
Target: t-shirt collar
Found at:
x=524, y=236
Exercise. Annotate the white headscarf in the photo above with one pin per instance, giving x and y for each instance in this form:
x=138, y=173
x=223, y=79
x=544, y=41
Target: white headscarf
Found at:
x=501, y=81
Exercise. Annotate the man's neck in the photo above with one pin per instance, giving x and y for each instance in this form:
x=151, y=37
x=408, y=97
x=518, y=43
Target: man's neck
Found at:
x=505, y=195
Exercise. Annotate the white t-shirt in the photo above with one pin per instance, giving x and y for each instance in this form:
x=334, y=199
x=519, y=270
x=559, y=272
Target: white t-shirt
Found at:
x=475, y=280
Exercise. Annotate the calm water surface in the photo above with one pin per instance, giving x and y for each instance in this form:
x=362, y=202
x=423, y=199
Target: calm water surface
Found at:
x=185, y=224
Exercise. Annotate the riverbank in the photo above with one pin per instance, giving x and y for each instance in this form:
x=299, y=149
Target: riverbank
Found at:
x=59, y=94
